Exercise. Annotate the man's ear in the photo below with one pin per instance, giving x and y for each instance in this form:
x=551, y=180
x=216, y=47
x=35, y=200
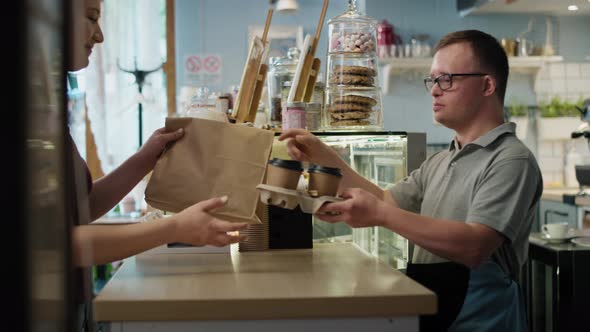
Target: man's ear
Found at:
x=489, y=85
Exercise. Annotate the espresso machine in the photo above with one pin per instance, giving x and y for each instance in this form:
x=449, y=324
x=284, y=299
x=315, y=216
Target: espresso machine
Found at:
x=583, y=171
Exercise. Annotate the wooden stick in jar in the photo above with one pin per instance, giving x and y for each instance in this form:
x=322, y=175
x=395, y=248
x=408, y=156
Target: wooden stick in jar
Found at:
x=251, y=116
x=250, y=78
x=309, y=57
x=318, y=30
x=313, y=76
x=267, y=25
x=261, y=78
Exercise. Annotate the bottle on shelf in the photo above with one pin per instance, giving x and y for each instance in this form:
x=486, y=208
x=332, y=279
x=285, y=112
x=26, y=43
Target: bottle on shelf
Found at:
x=202, y=106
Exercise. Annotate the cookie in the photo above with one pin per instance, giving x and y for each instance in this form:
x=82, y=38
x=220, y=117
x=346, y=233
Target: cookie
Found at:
x=342, y=123
x=355, y=99
x=350, y=115
x=341, y=108
x=354, y=70
x=349, y=79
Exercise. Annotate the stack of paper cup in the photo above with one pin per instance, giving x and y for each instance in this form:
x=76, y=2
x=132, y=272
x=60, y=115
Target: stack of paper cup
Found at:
x=257, y=233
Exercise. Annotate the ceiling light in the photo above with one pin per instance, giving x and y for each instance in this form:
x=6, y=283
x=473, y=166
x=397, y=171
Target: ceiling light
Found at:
x=572, y=8
x=287, y=6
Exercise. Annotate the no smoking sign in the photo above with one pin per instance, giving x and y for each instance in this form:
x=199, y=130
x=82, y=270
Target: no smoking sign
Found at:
x=212, y=63
x=193, y=64
x=202, y=69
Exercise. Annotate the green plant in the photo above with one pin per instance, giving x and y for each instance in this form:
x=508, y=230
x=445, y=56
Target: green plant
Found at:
x=558, y=108
x=516, y=108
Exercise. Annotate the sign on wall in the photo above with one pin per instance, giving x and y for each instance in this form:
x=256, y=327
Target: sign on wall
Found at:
x=202, y=69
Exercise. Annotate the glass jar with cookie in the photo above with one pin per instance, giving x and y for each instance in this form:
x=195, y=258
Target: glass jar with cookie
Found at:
x=352, y=108
x=352, y=32
x=352, y=97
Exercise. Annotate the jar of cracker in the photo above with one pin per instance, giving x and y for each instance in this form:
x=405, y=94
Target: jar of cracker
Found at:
x=352, y=94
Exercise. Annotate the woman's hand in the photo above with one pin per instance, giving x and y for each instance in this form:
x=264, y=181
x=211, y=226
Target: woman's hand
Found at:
x=155, y=145
x=304, y=146
x=195, y=226
x=359, y=209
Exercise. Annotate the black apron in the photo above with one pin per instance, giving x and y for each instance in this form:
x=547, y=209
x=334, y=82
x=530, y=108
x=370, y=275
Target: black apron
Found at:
x=449, y=281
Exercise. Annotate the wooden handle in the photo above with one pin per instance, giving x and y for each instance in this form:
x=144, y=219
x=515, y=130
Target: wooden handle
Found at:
x=309, y=58
x=304, y=77
x=246, y=89
x=253, y=67
x=318, y=30
x=313, y=76
x=266, y=25
x=251, y=116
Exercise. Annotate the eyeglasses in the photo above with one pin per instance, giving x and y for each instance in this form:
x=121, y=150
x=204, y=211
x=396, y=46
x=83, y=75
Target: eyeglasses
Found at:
x=445, y=81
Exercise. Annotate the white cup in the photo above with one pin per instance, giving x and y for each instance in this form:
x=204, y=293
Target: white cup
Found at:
x=556, y=231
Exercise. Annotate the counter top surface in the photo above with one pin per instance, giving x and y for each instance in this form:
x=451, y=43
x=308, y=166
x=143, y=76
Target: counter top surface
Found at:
x=330, y=280
x=537, y=239
x=556, y=195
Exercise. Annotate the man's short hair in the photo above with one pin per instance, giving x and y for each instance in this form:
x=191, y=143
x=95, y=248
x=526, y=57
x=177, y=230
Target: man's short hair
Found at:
x=487, y=51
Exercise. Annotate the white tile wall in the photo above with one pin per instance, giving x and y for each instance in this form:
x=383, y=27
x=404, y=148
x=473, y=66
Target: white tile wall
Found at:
x=557, y=70
x=545, y=149
x=548, y=178
x=572, y=70
x=558, y=86
x=558, y=149
x=570, y=82
x=551, y=164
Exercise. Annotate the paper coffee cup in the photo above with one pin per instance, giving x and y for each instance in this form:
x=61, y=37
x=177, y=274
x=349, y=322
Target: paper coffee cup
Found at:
x=323, y=181
x=283, y=173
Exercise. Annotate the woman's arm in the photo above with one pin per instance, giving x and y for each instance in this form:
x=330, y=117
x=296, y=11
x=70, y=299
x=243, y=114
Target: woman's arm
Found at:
x=99, y=244
x=110, y=189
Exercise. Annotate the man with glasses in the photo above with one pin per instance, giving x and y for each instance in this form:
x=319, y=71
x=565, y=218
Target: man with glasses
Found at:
x=468, y=209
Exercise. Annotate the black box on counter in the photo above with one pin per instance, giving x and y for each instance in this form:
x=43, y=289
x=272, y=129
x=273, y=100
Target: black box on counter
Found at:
x=289, y=229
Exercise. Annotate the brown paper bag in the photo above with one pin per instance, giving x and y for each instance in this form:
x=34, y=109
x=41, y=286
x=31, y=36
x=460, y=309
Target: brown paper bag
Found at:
x=212, y=159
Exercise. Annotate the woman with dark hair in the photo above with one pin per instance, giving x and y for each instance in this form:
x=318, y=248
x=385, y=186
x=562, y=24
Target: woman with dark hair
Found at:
x=94, y=245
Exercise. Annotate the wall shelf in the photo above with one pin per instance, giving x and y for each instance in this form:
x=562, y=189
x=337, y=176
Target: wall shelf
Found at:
x=391, y=66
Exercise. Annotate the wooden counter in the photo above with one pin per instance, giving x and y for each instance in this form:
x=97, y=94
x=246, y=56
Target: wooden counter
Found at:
x=556, y=195
x=328, y=281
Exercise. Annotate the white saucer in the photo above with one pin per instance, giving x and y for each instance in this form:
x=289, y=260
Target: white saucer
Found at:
x=582, y=241
x=549, y=239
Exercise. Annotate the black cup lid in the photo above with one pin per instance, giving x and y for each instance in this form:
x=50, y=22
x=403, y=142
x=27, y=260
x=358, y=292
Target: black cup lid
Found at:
x=322, y=169
x=288, y=164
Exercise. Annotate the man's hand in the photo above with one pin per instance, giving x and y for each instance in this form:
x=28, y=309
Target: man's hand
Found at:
x=155, y=145
x=304, y=146
x=195, y=226
x=360, y=209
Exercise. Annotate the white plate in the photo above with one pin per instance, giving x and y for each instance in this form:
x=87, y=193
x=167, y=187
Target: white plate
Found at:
x=545, y=237
x=582, y=241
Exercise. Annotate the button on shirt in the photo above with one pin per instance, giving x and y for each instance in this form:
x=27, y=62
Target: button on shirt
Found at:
x=494, y=181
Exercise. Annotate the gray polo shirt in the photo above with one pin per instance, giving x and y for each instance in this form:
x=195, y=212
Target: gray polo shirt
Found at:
x=495, y=181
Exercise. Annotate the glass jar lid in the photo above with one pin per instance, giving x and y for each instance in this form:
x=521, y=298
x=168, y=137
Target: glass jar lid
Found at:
x=296, y=105
x=353, y=16
x=288, y=62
